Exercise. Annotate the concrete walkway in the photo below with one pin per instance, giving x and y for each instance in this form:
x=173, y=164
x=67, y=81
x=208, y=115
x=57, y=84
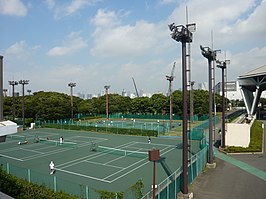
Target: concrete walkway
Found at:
x=241, y=176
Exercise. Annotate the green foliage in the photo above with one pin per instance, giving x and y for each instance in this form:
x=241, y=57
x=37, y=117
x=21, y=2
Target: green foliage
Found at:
x=138, y=188
x=110, y=195
x=112, y=130
x=53, y=105
x=20, y=189
x=255, y=144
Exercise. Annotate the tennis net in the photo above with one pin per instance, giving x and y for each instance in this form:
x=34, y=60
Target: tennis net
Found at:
x=57, y=143
x=122, y=152
x=17, y=137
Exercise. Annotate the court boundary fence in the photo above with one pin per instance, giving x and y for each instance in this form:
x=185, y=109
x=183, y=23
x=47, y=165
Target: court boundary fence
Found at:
x=167, y=189
x=171, y=186
x=58, y=184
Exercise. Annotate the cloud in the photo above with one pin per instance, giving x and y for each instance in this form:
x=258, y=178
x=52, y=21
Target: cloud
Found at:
x=13, y=8
x=113, y=39
x=105, y=19
x=72, y=43
x=166, y=2
x=50, y=3
x=18, y=50
x=63, y=10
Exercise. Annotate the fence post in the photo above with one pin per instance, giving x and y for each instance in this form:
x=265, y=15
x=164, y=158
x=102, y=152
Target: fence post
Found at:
x=29, y=177
x=54, y=183
x=87, y=192
x=7, y=168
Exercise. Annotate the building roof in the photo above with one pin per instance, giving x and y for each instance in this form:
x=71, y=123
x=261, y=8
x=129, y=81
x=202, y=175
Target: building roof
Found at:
x=255, y=72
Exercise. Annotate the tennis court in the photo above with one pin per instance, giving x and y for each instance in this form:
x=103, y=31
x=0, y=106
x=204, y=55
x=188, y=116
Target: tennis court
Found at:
x=101, y=161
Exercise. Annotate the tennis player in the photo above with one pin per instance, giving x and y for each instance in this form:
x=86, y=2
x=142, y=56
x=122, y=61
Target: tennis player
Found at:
x=24, y=142
x=51, y=165
x=61, y=140
x=149, y=140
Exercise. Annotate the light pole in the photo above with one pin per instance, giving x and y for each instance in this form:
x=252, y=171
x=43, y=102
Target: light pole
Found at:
x=106, y=95
x=211, y=56
x=13, y=84
x=71, y=85
x=23, y=82
x=183, y=34
x=29, y=91
x=222, y=65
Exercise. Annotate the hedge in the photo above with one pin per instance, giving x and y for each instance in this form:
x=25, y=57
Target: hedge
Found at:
x=20, y=188
x=111, y=130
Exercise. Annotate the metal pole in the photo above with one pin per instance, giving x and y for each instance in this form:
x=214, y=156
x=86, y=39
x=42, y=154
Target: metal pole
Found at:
x=185, y=139
x=71, y=85
x=223, y=110
x=13, y=101
x=210, y=112
x=71, y=96
x=23, y=113
x=23, y=82
x=106, y=95
x=154, y=189
x=171, y=106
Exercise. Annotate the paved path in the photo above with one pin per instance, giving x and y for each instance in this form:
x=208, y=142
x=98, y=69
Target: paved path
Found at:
x=235, y=177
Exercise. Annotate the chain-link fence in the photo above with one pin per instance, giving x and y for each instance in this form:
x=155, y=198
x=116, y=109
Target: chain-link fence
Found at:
x=171, y=186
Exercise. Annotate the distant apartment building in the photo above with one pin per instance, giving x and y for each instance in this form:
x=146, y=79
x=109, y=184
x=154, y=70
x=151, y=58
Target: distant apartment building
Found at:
x=231, y=89
x=203, y=86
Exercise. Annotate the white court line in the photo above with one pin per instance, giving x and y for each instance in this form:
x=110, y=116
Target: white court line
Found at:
x=121, y=168
x=79, y=160
x=106, y=163
x=10, y=157
x=45, y=154
x=136, y=168
x=103, y=164
x=85, y=176
x=124, y=168
x=32, y=150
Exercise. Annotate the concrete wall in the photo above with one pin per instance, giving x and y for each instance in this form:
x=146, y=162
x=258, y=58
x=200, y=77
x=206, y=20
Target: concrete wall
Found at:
x=237, y=134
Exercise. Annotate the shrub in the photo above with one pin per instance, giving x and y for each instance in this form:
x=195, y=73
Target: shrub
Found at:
x=113, y=130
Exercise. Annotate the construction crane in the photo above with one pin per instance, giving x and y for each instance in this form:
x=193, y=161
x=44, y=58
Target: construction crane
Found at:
x=170, y=79
x=135, y=87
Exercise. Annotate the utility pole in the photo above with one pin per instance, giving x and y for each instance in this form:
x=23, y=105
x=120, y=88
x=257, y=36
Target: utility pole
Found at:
x=183, y=34
x=13, y=84
x=71, y=85
x=23, y=82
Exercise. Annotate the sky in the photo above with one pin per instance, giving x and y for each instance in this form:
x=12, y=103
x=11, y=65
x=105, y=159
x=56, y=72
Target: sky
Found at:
x=94, y=43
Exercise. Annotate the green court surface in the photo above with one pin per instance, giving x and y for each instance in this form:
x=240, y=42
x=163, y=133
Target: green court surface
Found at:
x=85, y=157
